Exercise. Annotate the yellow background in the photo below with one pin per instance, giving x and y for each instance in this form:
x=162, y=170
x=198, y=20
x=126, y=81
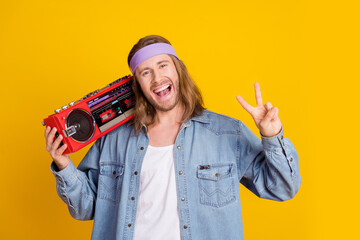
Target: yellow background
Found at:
x=304, y=54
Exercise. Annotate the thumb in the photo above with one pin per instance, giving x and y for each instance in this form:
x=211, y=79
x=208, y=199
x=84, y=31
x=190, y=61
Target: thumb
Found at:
x=270, y=115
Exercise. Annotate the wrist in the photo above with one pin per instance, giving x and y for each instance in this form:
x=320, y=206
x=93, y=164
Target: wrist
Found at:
x=62, y=165
x=271, y=135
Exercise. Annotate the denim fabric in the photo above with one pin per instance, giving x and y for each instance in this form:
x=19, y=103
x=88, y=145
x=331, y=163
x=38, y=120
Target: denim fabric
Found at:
x=212, y=154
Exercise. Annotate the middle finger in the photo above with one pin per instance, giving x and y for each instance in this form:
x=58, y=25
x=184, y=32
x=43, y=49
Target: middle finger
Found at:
x=258, y=96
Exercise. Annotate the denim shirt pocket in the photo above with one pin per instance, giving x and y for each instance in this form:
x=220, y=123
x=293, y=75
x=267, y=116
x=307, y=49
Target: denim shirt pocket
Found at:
x=216, y=184
x=110, y=181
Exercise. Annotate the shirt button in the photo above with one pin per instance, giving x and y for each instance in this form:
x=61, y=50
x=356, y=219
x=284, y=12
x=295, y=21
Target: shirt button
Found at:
x=178, y=147
x=129, y=225
x=185, y=226
x=216, y=174
x=182, y=199
x=291, y=159
x=282, y=137
x=133, y=198
x=142, y=148
x=180, y=172
x=136, y=173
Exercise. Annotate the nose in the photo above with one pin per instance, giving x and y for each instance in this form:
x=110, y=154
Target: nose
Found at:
x=157, y=76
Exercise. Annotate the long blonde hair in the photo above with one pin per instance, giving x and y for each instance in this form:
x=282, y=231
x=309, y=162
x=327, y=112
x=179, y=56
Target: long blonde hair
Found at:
x=190, y=95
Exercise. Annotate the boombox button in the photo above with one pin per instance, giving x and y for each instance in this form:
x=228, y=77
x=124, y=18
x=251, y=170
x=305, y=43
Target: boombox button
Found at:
x=70, y=104
x=57, y=110
x=64, y=107
x=69, y=131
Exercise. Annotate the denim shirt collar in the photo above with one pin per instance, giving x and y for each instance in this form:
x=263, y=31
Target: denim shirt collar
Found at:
x=203, y=118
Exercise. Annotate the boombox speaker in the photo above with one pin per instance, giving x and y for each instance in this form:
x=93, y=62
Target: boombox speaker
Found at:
x=94, y=115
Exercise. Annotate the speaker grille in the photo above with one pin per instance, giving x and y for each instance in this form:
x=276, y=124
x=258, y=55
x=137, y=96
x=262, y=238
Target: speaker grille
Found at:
x=83, y=123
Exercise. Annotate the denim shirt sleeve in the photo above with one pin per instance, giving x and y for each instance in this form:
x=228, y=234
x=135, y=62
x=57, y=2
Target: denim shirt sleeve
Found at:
x=270, y=168
x=78, y=187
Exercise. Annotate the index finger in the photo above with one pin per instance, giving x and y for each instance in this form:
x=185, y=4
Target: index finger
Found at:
x=244, y=104
x=51, y=135
x=258, y=97
x=47, y=131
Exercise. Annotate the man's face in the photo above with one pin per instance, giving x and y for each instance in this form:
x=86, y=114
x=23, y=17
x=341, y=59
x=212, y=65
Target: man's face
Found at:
x=159, y=81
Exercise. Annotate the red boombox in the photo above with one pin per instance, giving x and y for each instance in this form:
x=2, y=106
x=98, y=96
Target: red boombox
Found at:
x=94, y=115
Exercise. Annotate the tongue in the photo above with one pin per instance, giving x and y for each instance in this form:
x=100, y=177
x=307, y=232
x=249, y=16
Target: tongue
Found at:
x=163, y=92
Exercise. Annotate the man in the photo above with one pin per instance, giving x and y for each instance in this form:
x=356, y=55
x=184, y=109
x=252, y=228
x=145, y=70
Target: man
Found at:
x=174, y=172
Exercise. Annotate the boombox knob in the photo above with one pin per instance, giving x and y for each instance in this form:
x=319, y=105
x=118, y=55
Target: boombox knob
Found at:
x=70, y=104
x=57, y=110
x=64, y=107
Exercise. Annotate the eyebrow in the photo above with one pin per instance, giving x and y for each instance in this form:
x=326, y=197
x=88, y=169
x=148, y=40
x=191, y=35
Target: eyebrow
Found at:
x=158, y=63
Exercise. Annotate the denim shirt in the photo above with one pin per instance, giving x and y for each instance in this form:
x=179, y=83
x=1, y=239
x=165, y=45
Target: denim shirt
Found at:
x=212, y=154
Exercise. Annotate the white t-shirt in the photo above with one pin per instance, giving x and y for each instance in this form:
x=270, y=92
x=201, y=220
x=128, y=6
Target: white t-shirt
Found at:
x=157, y=214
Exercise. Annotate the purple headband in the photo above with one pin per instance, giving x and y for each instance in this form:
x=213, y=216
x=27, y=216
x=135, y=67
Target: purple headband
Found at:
x=150, y=51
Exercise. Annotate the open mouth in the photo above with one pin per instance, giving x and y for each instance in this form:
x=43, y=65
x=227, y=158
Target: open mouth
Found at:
x=163, y=90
